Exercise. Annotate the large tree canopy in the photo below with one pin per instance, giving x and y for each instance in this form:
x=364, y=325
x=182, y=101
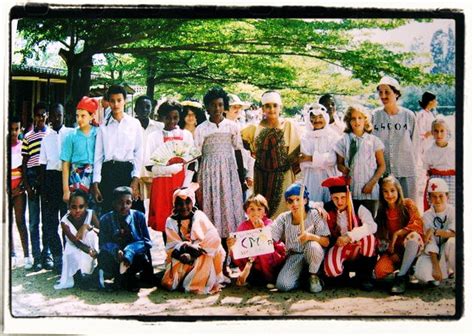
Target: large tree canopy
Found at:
x=186, y=56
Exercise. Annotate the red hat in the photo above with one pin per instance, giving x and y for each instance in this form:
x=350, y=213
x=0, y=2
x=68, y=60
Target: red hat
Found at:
x=336, y=184
x=88, y=104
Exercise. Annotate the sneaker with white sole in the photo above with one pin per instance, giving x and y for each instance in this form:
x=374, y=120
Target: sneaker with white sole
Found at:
x=315, y=285
x=28, y=263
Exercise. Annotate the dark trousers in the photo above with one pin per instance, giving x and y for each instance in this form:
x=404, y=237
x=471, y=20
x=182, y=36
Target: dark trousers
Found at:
x=53, y=209
x=114, y=174
x=371, y=205
x=34, y=211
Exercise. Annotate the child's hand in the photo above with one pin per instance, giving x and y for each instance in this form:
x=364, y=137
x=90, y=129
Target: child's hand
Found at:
x=304, y=237
x=343, y=240
x=258, y=223
x=249, y=182
x=437, y=275
x=428, y=235
x=305, y=158
x=230, y=242
x=368, y=187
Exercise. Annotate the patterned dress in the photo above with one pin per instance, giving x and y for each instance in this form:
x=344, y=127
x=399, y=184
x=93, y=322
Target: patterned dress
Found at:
x=219, y=180
x=276, y=150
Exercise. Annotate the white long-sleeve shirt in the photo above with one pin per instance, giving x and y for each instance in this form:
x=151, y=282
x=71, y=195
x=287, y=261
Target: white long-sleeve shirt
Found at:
x=51, y=148
x=118, y=141
x=368, y=226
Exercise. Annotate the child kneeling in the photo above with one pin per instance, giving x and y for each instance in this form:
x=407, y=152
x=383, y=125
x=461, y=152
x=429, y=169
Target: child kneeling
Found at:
x=303, y=248
x=439, y=224
x=261, y=269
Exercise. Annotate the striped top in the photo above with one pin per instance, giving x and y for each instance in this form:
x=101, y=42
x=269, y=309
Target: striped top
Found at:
x=399, y=137
x=364, y=164
x=32, y=144
x=283, y=229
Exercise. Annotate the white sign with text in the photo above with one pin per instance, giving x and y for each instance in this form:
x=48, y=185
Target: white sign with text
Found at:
x=252, y=243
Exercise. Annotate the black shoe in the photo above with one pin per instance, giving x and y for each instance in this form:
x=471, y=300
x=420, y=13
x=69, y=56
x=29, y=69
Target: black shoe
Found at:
x=399, y=285
x=48, y=264
x=37, y=266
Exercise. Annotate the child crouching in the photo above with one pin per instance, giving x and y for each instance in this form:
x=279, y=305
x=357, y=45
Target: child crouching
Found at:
x=304, y=249
x=439, y=224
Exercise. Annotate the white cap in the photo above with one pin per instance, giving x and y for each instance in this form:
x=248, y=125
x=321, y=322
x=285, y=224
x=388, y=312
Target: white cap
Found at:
x=271, y=97
x=235, y=100
x=387, y=80
x=437, y=184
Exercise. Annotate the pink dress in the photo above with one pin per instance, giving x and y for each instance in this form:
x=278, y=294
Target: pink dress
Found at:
x=265, y=267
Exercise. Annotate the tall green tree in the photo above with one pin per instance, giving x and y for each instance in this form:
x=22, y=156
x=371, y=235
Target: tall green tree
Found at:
x=183, y=56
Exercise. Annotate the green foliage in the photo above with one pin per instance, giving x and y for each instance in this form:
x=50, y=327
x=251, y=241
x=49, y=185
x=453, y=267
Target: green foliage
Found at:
x=183, y=57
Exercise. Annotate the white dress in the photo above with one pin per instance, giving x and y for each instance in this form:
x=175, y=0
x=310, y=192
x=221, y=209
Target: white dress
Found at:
x=320, y=145
x=74, y=259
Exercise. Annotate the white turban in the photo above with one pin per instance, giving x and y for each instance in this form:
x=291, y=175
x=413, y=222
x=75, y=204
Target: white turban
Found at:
x=315, y=109
x=271, y=97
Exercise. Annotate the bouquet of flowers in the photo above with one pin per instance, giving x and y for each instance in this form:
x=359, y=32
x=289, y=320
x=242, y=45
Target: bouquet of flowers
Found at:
x=175, y=149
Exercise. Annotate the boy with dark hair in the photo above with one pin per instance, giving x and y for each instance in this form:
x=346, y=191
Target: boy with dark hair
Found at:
x=118, y=151
x=30, y=164
x=53, y=208
x=143, y=108
x=124, y=243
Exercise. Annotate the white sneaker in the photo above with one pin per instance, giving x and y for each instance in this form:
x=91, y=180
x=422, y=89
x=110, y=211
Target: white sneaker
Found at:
x=315, y=284
x=28, y=263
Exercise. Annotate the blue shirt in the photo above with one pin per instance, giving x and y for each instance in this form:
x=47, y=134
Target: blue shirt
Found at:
x=79, y=148
x=132, y=239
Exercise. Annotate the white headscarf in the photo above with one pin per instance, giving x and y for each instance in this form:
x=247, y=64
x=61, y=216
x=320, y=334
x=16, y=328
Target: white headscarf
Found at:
x=271, y=97
x=315, y=109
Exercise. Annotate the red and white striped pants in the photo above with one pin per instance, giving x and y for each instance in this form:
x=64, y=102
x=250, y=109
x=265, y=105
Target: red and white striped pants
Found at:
x=333, y=263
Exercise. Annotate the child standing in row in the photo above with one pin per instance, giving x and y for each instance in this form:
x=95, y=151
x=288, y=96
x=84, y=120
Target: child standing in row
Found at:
x=317, y=158
x=77, y=152
x=52, y=206
x=303, y=248
x=439, y=257
x=360, y=156
x=17, y=190
x=263, y=268
x=440, y=159
x=221, y=193
x=30, y=151
x=166, y=179
x=400, y=231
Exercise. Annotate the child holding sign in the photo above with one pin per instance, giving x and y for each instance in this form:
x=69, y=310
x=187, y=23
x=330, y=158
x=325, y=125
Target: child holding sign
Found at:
x=261, y=269
x=306, y=236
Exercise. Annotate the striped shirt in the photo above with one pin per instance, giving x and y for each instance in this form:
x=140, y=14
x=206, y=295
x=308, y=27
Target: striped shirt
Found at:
x=283, y=229
x=397, y=133
x=364, y=162
x=32, y=145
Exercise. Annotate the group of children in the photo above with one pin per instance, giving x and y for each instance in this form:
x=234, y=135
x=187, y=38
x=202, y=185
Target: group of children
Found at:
x=352, y=171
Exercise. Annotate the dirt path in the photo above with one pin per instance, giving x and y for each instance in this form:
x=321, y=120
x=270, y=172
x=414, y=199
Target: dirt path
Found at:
x=33, y=295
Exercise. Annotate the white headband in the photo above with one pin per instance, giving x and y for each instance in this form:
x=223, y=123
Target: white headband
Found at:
x=271, y=97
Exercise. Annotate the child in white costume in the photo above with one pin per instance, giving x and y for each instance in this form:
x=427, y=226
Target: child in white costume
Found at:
x=439, y=224
x=318, y=158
